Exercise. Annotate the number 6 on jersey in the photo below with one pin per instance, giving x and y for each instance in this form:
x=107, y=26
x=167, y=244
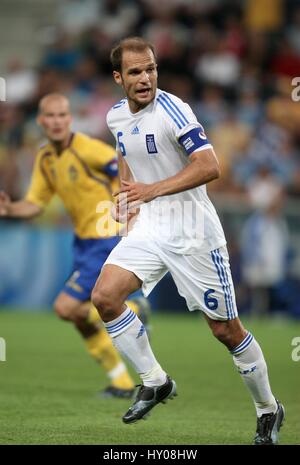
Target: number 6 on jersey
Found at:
x=120, y=144
x=210, y=302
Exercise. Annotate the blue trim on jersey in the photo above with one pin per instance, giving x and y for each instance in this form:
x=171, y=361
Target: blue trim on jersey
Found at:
x=176, y=108
x=193, y=140
x=169, y=112
x=122, y=324
x=173, y=110
x=234, y=314
x=243, y=345
x=119, y=104
x=221, y=278
x=226, y=282
x=111, y=168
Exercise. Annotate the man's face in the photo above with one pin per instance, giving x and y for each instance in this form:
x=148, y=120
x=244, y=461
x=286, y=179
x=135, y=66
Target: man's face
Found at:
x=55, y=119
x=138, y=78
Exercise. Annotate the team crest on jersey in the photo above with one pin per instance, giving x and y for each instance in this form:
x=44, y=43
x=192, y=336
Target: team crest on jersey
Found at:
x=73, y=173
x=150, y=142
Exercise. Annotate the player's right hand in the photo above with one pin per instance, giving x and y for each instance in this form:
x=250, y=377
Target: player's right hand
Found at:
x=116, y=214
x=121, y=216
x=4, y=203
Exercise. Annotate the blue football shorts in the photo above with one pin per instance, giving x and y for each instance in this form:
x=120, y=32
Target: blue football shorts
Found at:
x=89, y=257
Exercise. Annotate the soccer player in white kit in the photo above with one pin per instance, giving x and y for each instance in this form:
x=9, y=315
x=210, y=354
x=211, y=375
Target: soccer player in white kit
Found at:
x=165, y=161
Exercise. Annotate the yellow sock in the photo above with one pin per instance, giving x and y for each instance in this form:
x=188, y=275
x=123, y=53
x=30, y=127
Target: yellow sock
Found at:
x=93, y=316
x=103, y=351
x=133, y=306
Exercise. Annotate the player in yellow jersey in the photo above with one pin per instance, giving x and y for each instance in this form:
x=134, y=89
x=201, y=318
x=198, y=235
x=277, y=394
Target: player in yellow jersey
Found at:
x=82, y=171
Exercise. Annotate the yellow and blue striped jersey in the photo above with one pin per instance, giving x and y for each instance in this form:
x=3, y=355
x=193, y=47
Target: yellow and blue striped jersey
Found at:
x=82, y=175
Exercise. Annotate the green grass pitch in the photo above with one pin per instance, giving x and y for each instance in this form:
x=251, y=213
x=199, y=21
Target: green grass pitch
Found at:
x=49, y=385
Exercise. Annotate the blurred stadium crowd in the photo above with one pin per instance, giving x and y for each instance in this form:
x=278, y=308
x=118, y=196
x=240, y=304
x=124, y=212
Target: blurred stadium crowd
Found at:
x=233, y=61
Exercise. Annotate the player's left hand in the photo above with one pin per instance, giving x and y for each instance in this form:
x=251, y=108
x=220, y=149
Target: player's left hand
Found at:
x=136, y=194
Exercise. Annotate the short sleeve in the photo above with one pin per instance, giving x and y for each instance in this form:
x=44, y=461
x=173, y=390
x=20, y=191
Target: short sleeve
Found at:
x=183, y=124
x=40, y=190
x=102, y=157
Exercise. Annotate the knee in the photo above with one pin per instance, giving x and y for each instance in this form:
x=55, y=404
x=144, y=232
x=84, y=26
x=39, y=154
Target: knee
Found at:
x=231, y=332
x=63, y=311
x=221, y=332
x=104, y=302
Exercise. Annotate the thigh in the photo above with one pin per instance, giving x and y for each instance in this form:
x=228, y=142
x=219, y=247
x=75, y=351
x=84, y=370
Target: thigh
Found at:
x=117, y=282
x=205, y=282
x=68, y=306
x=89, y=257
x=141, y=258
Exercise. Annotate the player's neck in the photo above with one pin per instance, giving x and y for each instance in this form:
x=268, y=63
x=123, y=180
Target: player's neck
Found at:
x=136, y=107
x=60, y=146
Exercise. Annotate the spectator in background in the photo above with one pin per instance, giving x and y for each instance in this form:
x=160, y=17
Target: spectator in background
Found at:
x=20, y=82
x=263, y=15
x=265, y=242
x=211, y=107
x=219, y=65
x=249, y=107
x=229, y=138
x=293, y=32
x=271, y=146
x=63, y=55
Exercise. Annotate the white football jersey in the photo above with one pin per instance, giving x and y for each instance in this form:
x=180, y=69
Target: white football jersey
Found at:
x=156, y=143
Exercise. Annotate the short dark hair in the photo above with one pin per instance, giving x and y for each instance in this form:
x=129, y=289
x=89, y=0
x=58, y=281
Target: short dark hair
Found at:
x=134, y=44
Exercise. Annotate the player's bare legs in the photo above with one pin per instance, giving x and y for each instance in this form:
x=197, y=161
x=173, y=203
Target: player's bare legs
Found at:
x=99, y=345
x=230, y=332
x=250, y=362
x=71, y=309
x=112, y=289
x=130, y=338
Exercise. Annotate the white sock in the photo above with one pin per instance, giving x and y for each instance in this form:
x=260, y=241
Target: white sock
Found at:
x=250, y=362
x=130, y=339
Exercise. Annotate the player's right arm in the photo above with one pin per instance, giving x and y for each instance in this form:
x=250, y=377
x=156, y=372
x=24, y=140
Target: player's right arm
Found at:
x=125, y=175
x=20, y=209
x=38, y=195
x=124, y=170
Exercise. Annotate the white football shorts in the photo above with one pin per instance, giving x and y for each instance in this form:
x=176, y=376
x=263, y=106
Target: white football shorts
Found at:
x=204, y=279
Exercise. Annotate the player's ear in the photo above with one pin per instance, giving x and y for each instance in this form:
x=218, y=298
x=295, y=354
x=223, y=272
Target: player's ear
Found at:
x=117, y=77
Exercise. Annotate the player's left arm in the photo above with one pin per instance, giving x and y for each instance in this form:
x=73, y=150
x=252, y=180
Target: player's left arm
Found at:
x=203, y=168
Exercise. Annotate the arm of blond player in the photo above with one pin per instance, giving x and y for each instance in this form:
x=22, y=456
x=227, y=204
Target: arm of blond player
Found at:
x=19, y=209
